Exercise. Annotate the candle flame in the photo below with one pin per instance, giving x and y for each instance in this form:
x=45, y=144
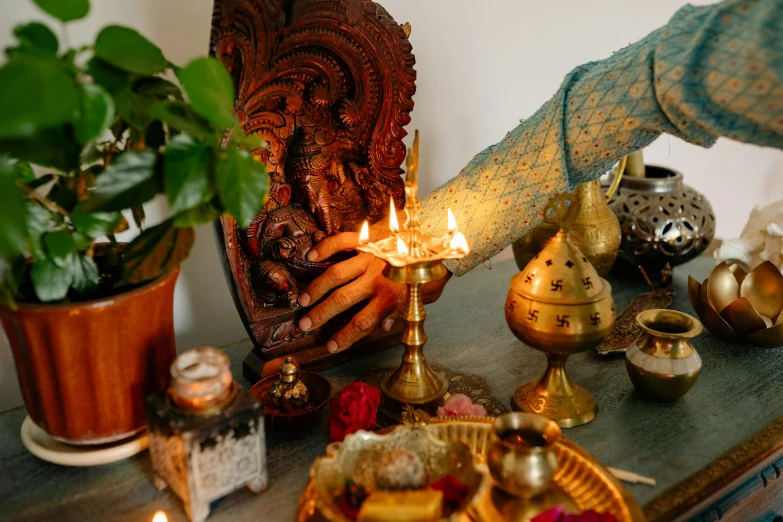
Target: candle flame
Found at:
x=394, y=226
x=364, y=234
x=160, y=516
x=458, y=242
x=452, y=223
x=402, y=248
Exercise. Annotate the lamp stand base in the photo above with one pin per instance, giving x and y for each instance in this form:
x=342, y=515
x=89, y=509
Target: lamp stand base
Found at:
x=556, y=396
x=396, y=394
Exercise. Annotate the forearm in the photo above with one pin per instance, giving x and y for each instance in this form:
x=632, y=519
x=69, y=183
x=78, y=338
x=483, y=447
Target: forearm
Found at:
x=712, y=71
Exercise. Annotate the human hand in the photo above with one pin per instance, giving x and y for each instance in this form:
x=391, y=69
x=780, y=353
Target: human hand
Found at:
x=358, y=278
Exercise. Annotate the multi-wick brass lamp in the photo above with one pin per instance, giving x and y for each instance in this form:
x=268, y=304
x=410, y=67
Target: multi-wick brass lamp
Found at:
x=414, y=259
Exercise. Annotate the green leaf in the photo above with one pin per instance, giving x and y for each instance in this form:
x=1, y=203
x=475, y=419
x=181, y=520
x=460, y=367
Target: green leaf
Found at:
x=40, y=182
x=35, y=39
x=210, y=90
x=40, y=149
x=182, y=118
x=14, y=235
x=59, y=245
x=96, y=224
x=156, y=251
x=185, y=174
x=65, y=10
x=155, y=135
x=129, y=181
x=128, y=50
x=250, y=142
x=205, y=213
x=38, y=220
x=11, y=274
x=97, y=113
x=242, y=185
x=82, y=241
x=158, y=88
x=133, y=108
x=37, y=94
x=24, y=172
x=50, y=281
x=84, y=276
x=107, y=76
x=63, y=193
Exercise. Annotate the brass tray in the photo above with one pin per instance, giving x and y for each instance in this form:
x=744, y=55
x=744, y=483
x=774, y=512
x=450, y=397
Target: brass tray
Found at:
x=581, y=482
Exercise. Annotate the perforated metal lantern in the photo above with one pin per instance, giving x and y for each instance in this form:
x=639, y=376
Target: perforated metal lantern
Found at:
x=560, y=305
x=662, y=219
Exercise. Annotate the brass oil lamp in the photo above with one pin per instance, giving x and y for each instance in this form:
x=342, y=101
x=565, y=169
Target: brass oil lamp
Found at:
x=558, y=304
x=414, y=259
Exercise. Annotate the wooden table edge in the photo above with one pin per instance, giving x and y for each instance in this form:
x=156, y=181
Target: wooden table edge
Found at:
x=732, y=465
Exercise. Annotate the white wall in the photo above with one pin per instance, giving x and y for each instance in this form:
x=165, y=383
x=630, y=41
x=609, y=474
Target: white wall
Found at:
x=481, y=66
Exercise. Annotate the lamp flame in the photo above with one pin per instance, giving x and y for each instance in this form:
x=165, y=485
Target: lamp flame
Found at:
x=394, y=226
x=160, y=516
x=458, y=242
x=452, y=222
x=364, y=234
x=402, y=248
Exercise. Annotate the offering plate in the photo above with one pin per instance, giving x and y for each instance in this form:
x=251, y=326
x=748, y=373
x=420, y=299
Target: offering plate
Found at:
x=580, y=483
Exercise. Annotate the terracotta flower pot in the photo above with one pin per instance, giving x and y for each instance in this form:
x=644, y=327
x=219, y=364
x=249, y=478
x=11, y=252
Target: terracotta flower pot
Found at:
x=85, y=368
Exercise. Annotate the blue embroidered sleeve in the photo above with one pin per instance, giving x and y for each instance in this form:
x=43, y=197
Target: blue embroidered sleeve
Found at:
x=711, y=71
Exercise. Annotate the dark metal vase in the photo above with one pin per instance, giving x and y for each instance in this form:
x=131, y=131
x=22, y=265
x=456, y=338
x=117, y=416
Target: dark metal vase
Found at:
x=662, y=219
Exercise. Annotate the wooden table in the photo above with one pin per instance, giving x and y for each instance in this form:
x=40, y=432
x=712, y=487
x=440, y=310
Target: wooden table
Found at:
x=716, y=454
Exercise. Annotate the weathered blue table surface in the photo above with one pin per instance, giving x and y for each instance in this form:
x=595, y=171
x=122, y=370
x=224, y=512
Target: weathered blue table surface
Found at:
x=718, y=445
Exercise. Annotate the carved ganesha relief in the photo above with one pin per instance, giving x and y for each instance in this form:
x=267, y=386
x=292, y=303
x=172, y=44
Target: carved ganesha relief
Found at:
x=328, y=85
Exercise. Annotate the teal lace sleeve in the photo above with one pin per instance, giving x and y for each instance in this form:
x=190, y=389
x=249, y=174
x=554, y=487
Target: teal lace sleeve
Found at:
x=711, y=71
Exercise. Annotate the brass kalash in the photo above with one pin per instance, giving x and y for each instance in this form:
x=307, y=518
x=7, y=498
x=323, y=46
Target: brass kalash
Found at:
x=560, y=305
x=414, y=259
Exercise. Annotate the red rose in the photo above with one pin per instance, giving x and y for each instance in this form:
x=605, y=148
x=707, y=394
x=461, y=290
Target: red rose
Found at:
x=454, y=491
x=353, y=410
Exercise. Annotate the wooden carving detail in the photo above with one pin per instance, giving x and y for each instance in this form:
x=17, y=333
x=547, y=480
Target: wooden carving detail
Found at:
x=328, y=84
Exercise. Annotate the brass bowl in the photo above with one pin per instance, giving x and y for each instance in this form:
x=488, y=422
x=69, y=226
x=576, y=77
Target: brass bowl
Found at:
x=523, y=468
x=357, y=458
x=736, y=305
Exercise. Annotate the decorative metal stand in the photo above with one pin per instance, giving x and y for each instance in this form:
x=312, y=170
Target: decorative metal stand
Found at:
x=413, y=259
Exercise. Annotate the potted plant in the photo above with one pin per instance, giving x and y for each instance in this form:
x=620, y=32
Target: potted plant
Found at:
x=87, y=136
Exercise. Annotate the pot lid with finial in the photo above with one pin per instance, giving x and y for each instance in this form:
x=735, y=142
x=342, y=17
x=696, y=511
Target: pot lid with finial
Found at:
x=289, y=371
x=560, y=273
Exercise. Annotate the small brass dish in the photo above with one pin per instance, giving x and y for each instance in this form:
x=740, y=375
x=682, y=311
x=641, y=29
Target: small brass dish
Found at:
x=320, y=392
x=736, y=305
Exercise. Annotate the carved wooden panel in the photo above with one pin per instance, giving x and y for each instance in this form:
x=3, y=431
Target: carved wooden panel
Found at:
x=328, y=84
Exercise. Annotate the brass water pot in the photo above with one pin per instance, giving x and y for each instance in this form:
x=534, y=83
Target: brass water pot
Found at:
x=595, y=229
x=662, y=363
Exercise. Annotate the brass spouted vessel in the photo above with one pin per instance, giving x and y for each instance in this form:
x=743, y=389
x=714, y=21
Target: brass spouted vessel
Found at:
x=560, y=305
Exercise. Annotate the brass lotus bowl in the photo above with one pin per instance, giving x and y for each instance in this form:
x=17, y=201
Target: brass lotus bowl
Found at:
x=358, y=456
x=740, y=306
